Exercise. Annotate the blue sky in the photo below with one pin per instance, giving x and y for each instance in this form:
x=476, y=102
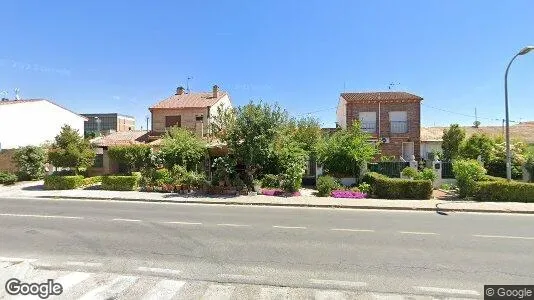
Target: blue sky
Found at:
x=123, y=56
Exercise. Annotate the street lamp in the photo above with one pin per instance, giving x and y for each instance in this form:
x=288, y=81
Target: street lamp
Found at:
x=508, y=154
x=98, y=121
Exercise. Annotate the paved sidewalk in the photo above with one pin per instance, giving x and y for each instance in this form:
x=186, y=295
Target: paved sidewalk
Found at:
x=35, y=190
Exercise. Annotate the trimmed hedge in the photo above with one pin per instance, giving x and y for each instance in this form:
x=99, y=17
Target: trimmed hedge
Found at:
x=92, y=180
x=55, y=182
x=503, y=191
x=120, y=182
x=394, y=188
x=7, y=178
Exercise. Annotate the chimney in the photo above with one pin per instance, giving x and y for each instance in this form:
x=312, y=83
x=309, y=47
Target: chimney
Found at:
x=215, y=91
x=180, y=90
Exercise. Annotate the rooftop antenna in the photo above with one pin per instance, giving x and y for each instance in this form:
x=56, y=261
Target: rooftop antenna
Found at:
x=17, y=96
x=392, y=84
x=187, y=83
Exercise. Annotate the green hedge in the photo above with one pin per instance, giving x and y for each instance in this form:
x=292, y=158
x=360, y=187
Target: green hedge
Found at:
x=7, y=178
x=55, y=182
x=503, y=191
x=92, y=180
x=120, y=183
x=326, y=184
x=394, y=188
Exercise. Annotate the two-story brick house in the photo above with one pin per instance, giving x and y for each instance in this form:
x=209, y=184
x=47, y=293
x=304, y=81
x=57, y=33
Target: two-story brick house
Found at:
x=392, y=118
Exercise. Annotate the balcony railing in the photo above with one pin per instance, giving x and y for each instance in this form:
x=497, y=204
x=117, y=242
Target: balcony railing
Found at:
x=399, y=126
x=369, y=127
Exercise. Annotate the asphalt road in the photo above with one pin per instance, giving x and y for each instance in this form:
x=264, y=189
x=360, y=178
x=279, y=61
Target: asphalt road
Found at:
x=382, y=251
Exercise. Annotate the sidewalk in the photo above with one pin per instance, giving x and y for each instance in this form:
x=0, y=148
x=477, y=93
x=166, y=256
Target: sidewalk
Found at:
x=34, y=190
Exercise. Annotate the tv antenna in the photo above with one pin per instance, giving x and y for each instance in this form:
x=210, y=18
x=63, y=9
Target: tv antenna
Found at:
x=17, y=96
x=187, y=83
x=392, y=84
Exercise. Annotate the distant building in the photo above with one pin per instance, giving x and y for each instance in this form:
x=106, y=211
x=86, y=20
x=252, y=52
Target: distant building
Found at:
x=109, y=122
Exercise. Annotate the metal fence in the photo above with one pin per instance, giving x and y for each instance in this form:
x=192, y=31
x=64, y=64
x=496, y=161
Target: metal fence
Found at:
x=388, y=168
x=446, y=170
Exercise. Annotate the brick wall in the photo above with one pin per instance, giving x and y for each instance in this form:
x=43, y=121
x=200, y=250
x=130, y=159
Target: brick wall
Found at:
x=6, y=161
x=125, y=124
x=394, y=147
x=188, y=118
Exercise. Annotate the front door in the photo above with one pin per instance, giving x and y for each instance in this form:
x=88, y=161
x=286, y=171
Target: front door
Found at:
x=407, y=150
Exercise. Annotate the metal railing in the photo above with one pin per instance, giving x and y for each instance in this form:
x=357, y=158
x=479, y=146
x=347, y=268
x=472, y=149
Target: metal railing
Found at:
x=388, y=168
x=399, y=126
x=369, y=127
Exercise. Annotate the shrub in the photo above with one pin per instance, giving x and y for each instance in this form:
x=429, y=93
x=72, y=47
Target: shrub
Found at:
x=504, y=191
x=426, y=174
x=120, y=183
x=7, y=178
x=467, y=173
x=492, y=178
x=92, y=180
x=364, y=188
x=134, y=157
x=326, y=184
x=30, y=162
x=395, y=188
x=270, y=181
x=70, y=150
x=55, y=182
x=409, y=172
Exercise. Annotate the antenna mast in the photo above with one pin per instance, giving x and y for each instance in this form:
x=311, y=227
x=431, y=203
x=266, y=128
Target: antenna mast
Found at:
x=187, y=84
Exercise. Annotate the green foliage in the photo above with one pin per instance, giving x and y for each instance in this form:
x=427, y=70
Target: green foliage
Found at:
x=120, y=182
x=92, y=180
x=292, y=160
x=504, y=191
x=478, y=145
x=387, y=158
x=224, y=169
x=7, y=178
x=55, y=182
x=452, y=139
x=529, y=163
x=467, y=173
x=344, y=151
x=394, y=188
x=326, y=184
x=410, y=172
x=364, y=188
x=270, y=181
x=136, y=157
x=30, y=162
x=183, y=148
x=70, y=150
x=426, y=174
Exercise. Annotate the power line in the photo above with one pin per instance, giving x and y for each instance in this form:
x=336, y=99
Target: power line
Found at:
x=465, y=115
x=313, y=112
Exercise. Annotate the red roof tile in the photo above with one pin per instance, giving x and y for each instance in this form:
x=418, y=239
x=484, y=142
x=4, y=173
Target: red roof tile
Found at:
x=191, y=100
x=121, y=138
x=375, y=96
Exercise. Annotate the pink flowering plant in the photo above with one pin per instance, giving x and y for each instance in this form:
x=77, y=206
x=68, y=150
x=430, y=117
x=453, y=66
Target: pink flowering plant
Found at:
x=348, y=194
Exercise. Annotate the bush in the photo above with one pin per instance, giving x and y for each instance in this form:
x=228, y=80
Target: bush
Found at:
x=270, y=181
x=467, y=173
x=92, y=180
x=30, y=162
x=504, y=191
x=394, y=188
x=134, y=157
x=492, y=178
x=364, y=188
x=409, y=172
x=7, y=178
x=55, y=182
x=326, y=184
x=426, y=174
x=120, y=183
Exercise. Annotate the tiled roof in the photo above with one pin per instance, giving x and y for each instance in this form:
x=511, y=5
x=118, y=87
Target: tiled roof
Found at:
x=121, y=138
x=375, y=96
x=7, y=102
x=191, y=100
x=523, y=131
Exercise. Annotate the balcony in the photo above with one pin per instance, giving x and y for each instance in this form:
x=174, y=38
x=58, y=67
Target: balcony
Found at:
x=369, y=127
x=399, y=126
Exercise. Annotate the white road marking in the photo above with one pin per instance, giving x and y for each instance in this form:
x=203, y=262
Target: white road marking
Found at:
x=329, y=295
x=352, y=230
x=446, y=290
x=338, y=282
x=183, y=223
x=126, y=220
x=289, y=227
x=72, y=279
x=164, y=289
x=233, y=225
x=17, y=259
x=274, y=293
x=112, y=289
x=504, y=237
x=416, y=232
x=83, y=264
x=159, y=270
x=218, y=292
x=40, y=216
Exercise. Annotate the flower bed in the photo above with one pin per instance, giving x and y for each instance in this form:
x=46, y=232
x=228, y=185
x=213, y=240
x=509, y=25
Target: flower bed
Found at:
x=348, y=194
x=279, y=193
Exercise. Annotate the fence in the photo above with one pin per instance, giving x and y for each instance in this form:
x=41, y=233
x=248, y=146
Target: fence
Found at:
x=446, y=170
x=388, y=168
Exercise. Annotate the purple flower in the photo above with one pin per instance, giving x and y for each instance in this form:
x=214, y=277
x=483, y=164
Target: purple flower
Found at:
x=348, y=194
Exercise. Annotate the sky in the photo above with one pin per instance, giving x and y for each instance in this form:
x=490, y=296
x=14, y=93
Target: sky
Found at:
x=123, y=56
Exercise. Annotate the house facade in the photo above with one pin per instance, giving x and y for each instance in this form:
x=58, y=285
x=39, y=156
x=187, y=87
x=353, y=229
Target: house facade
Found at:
x=392, y=118
x=106, y=123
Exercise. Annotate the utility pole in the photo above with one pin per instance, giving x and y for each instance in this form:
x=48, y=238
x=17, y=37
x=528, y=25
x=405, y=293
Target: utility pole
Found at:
x=146, y=122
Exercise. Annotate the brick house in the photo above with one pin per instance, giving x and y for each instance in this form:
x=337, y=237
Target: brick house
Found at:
x=393, y=118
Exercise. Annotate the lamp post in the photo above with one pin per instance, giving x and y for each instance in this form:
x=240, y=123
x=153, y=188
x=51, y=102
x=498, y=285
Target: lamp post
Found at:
x=98, y=121
x=508, y=154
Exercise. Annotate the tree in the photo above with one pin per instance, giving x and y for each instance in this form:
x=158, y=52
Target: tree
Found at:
x=344, y=151
x=452, y=139
x=477, y=145
x=70, y=150
x=135, y=157
x=291, y=158
x=30, y=162
x=180, y=147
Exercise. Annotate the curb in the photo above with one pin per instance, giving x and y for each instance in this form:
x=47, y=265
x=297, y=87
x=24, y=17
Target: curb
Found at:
x=367, y=207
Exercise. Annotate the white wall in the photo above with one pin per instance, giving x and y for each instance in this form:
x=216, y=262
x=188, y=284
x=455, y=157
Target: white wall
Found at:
x=341, y=113
x=224, y=101
x=34, y=123
x=429, y=146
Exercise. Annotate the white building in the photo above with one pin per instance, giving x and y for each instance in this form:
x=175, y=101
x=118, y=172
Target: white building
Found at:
x=34, y=122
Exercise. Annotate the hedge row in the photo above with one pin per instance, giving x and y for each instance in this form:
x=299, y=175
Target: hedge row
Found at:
x=55, y=182
x=120, y=182
x=503, y=191
x=7, y=178
x=394, y=188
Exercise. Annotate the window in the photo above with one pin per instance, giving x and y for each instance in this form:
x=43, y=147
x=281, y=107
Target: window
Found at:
x=199, y=118
x=99, y=161
x=368, y=121
x=173, y=121
x=399, y=121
